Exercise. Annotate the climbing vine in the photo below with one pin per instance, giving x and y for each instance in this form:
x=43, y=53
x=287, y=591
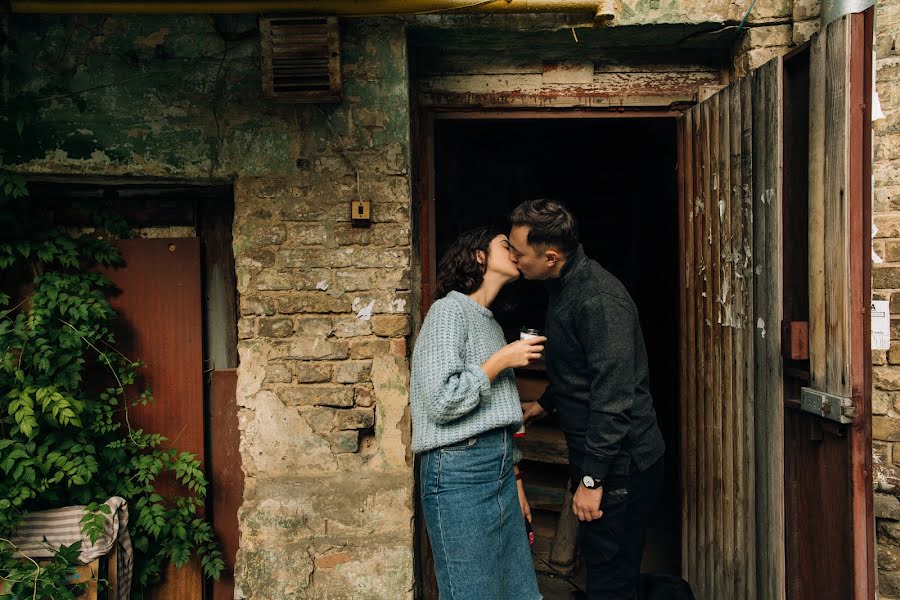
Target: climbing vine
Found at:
x=65, y=393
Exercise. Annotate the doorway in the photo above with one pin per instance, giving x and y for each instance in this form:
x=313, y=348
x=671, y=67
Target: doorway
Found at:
x=619, y=177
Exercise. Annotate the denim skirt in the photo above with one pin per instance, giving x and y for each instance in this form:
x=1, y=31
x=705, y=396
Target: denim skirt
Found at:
x=474, y=522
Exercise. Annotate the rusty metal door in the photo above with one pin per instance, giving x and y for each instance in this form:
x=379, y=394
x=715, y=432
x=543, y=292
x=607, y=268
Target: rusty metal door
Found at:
x=161, y=324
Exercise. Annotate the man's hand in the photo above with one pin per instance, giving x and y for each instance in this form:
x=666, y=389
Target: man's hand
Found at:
x=586, y=503
x=523, y=501
x=532, y=411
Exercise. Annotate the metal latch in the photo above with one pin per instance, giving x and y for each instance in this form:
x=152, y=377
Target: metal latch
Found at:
x=829, y=406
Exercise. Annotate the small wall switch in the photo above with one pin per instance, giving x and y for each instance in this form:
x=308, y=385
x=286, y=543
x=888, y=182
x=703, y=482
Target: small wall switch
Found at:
x=361, y=213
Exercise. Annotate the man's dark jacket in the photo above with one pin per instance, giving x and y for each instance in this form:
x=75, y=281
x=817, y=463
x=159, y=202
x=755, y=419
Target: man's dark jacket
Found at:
x=597, y=365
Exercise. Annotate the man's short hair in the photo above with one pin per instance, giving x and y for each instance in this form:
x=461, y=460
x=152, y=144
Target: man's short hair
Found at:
x=550, y=223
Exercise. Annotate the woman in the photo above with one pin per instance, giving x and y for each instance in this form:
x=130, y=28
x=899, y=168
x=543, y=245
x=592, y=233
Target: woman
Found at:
x=465, y=410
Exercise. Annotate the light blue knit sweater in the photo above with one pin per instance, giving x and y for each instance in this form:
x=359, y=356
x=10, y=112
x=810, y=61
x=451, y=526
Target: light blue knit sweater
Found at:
x=452, y=398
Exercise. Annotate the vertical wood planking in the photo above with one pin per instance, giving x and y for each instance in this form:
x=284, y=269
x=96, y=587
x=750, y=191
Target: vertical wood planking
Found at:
x=725, y=310
x=690, y=374
x=817, y=357
x=714, y=328
x=749, y=405
x=708, y=400
x=837, y=203
x=699, y=354
x=767, y=234
x=736, y=358
x=684, y=395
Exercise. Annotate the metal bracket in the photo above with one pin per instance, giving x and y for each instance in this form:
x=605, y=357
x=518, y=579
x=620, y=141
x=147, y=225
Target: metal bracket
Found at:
x=828, y=406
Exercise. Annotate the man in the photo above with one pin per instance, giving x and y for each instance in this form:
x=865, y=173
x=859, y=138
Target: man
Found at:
x=599, y=385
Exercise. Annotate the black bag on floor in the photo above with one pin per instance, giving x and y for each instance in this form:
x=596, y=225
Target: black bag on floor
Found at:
x=662, y=586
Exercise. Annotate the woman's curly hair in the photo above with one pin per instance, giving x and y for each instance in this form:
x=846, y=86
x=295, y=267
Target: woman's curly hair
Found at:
x=459, y=268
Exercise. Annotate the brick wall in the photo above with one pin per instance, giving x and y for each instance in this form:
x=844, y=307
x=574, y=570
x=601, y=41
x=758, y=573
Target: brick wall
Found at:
x=323, y=399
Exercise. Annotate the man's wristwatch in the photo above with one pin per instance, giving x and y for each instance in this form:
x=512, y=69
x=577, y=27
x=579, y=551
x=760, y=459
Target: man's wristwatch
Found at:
x=591, y=483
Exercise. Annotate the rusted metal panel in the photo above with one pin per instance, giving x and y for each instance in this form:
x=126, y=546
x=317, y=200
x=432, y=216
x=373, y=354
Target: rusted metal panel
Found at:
x=301, y=58
x=160, y=323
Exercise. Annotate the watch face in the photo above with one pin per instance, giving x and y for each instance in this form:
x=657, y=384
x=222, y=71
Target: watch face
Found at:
x=588, y=481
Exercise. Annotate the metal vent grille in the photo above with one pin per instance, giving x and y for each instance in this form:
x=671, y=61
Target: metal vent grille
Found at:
x=301, y=58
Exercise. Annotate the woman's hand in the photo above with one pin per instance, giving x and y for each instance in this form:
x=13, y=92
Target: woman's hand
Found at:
x=511, y=356
x=523, y=501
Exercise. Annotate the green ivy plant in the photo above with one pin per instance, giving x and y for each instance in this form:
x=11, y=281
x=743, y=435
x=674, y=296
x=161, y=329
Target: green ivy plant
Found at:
x=65, y=392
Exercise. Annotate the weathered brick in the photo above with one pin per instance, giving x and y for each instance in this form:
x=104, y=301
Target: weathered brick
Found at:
x=886, y=428
x=764, y=37
x=888, y=584
x=368, y=347
x=364, y=395
x=888, y=560
x=353, y=371
x=262, y=233
x=881, y=403
x=886, y=477
x=887, y=146
x=756, y=58
x=314, y=326
x=270, y=280
x=891, y=252
x=277, y=327
x=345, y=234
x=302, y=348
x=319, y=418
x=346, y=256
x=391, y=235
x=882, y=452
x=398, y=347
x=885, y=277
x=351, y=279
x=806, y=9
x=390, y=325
x=888, y=224
x=887, y=198
x=887, y=507
x=317, y=395
x=344, y=442
x=887, y=172
x=246, y=328
x=312, y=372
x=302, y=208
x=880, y=358
x=386, y=301
x=888, y=532
x=351, y=326
x=277, y=373
x=254, y=305
x=354, y=418
x=310, y=234
x=804, y=30
x=255, y=258
x=310, y=302
x=312, y=279
x=886, y=378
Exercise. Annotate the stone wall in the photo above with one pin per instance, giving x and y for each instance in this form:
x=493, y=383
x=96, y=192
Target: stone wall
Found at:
x=324, y=308
x=886, y=285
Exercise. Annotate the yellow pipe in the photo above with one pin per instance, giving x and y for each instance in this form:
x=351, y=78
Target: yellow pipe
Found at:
x=344, y=8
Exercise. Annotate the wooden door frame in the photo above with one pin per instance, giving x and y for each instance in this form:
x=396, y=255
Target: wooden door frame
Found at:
x=424, y=156
x=423, y=120
x=862, y=510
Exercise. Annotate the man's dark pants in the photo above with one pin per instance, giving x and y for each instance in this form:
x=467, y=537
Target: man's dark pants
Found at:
x=612, y=546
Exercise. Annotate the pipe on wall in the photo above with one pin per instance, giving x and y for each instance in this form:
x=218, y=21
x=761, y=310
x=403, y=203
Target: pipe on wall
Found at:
x=601, y=9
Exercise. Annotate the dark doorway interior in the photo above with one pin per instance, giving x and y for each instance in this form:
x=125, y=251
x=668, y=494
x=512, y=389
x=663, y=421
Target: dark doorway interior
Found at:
x=619, y=177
